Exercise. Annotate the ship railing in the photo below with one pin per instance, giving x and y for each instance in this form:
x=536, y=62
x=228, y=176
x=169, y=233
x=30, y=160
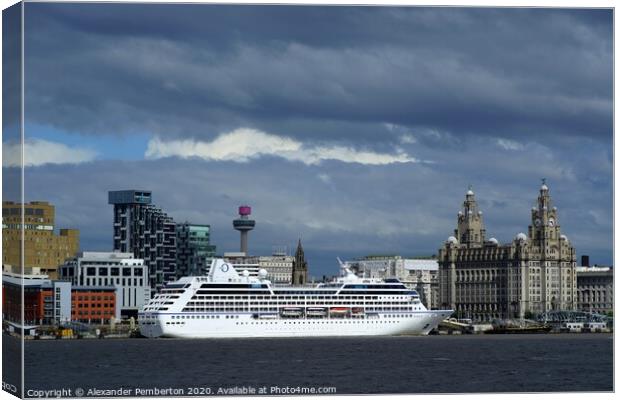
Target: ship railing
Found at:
x=287, y=286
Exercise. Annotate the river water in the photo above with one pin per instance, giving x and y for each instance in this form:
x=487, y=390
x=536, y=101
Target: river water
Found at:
x=364, y=365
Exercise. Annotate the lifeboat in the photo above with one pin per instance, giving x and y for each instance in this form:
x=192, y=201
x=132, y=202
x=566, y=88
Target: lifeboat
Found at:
x=292, y=312
x=316, y=312
x=357, y=311
x=339, y=311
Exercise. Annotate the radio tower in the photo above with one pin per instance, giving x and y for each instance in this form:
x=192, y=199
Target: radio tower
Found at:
x=244, y=224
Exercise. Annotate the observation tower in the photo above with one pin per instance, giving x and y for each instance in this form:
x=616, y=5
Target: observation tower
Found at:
x=244, y=224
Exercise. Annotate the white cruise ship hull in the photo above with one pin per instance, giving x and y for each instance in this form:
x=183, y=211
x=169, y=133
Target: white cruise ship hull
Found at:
x=246, y=326
x=224, y=304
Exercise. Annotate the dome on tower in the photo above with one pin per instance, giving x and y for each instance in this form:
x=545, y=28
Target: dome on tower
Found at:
x=563, y=237
x=470, y=192
x=544, y=187
x=534, y=208
x=453, y=240
x=460, y=213
x=521, y=237
x=479, y=212
x=493, y=241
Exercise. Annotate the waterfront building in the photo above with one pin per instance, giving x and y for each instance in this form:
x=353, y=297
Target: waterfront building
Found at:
x=279, y=267
x=94, y=304
x=483, y=279
x=376, y=266
x=300, y=266
x=117, y=270
x=43, y=249
x=146, y=231
x=45, y=301
x=421, y=275
x=595, y=289
x=240, y=262
x=194, y=252
x=54, y=302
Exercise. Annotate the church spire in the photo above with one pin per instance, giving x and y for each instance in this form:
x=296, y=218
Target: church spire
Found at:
x=300, y=250
x=300, y=266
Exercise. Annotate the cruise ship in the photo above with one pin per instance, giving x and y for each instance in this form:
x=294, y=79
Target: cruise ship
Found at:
x=228, y=303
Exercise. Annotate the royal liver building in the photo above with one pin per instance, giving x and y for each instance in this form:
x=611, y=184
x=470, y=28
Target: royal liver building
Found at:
x=483, y=280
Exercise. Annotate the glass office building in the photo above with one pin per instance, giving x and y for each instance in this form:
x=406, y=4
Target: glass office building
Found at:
x=194, y=249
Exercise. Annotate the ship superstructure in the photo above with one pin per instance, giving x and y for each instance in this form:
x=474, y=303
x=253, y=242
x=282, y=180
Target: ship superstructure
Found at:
x=226, y=303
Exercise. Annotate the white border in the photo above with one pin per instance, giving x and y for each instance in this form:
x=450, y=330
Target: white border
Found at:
x=476, y=3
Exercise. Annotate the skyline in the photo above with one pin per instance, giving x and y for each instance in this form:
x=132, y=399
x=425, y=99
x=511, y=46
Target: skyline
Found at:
x=324, y=269
x=357, y=128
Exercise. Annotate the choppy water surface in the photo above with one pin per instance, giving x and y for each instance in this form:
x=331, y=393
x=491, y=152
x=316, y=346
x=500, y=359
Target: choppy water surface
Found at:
x=431, y=364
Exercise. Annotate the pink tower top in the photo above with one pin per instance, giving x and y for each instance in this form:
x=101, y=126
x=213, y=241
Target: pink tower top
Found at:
x=245, y=210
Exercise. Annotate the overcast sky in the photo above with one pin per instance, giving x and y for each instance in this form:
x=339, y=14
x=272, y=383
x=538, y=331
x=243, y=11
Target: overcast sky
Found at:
x=358, y=129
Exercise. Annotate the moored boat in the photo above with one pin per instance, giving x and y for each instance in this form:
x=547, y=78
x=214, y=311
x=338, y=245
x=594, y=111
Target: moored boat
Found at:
x=520, y=326
x=226, y=303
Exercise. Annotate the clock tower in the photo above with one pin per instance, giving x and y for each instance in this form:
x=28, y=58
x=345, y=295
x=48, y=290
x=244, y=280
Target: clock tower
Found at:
x=544, y=227
x=470, y=228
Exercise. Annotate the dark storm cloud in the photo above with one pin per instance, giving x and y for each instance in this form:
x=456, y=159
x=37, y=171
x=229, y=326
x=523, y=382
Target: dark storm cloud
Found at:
x=179, y=70
x=11, y=71
x=496, y=98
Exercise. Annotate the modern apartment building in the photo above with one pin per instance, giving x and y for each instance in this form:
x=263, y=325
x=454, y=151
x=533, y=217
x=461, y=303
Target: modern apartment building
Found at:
x=43, y=248
x=146, y=231
x=194, y=249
